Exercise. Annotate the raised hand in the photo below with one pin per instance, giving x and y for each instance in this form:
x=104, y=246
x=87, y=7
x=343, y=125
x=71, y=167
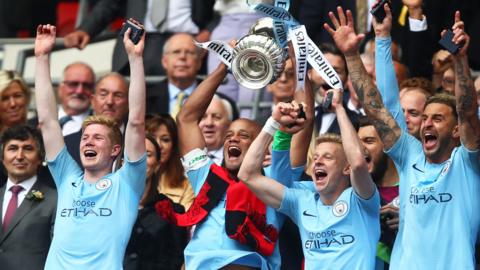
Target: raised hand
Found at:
x=383, y=29
x=287, y=115
x=347, y=41
x=337, y=99
x=45, y=39
x=460, y=38
x=134, y=49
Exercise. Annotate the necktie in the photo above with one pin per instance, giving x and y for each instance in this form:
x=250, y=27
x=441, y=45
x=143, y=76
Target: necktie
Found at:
x=362, y=16
x=63, y=120
x=12, y=206
x=178, y=104
x=158, y=12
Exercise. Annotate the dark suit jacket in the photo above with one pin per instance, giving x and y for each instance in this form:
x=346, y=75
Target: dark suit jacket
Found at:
x=25, y=243
x=334, y=127
x=105, y=11
x=158, y=99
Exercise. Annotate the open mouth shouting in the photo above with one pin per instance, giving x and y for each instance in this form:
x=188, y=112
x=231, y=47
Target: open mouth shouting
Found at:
x=429, y=140
x=233, y=151
x=320, y=174
x=89, y=153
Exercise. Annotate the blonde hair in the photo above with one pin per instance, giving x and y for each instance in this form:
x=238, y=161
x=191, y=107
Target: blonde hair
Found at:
x=115, y=134
x=329, y=137
x=9, y=76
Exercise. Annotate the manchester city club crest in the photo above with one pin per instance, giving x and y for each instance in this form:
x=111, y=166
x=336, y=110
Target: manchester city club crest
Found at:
x=340, y=208
x=103, y=184
x=446, y=167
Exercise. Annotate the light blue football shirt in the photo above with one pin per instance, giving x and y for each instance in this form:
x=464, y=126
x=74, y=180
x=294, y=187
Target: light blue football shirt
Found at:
x=93, y=221
x=439, y=208
x=339, y=236
x=210, y=247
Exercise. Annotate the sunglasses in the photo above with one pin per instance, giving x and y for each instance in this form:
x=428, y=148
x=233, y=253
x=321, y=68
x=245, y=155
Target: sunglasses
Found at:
x=76, y=84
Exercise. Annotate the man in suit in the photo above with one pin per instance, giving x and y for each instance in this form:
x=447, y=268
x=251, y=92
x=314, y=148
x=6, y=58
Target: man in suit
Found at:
x=28, y=202
x=326, y=122
x=161, y=18
x=110, y=99
x=74, y=93
x=182, y=61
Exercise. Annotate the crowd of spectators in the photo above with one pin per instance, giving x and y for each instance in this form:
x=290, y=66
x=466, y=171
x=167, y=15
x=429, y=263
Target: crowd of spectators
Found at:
x=386, y=178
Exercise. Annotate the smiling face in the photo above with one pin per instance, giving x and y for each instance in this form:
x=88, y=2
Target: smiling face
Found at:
x=97, y=152
x=111, y=98
x=374, y=147
x=13, y=105
x=214, y=124
x=412, y=103
x=240, y=136
x=283, y=89
x=21, y=159
x=330, y=169
x=165, y=141
x=439, y=132
x=153, y=164
x=76, y=89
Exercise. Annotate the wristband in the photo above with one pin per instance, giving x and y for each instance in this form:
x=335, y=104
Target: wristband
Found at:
x=281, y=141
x=271, y=126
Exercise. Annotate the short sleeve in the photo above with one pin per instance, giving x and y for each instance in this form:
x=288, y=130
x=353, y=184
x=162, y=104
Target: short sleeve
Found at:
x=470, y=157
x=134, y=173
x=290, y=201
x=370, y=205
x=404, y=148
x=62, y=165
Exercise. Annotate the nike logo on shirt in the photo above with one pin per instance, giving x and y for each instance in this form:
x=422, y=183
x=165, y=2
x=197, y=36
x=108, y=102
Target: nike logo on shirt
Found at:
x=307, y=214
x=415, y=167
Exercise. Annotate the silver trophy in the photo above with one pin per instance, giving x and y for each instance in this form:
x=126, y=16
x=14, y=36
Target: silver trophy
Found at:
x=257, y=58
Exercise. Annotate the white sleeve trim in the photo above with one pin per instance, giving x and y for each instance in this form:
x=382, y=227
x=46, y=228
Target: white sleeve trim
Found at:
x=195, y=159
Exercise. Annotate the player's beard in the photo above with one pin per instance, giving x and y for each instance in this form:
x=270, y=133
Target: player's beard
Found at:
x=379, y=169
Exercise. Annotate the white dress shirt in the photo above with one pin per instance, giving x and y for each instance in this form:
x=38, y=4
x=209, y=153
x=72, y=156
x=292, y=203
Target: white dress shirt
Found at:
x=27, y=185
x=173, y=92
x=73, y=125
x=179, y=18
x=216, y=155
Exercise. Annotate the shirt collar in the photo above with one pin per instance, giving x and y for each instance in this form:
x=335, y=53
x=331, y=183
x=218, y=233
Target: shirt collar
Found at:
x=173, y=90
x=27, y=184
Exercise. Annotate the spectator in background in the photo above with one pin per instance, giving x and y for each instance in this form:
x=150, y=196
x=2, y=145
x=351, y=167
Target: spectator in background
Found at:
x=161, y=19
x=154, y=243
x=325, y=121
x=172, y=181
x=414, y=93
x=181, y=61
x=74, y=93
x=109, y=99
x=214, y=126
x=14, y=99
x=28, y=201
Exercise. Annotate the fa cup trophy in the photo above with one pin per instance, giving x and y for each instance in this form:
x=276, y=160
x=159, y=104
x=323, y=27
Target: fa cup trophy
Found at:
x=257, y=58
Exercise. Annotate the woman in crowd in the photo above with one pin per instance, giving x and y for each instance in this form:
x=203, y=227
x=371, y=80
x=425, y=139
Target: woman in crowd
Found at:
x=173, y=182
x=154, y=243
x=14, y=99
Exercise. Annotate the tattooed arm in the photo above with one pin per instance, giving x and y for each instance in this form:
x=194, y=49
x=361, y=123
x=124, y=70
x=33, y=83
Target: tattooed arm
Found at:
x=466, y=97
x=348, y=42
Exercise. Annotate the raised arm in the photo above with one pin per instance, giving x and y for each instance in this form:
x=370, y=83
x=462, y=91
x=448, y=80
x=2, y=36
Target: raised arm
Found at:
x=135, y=129
x=349, y=42
x=385, y=73
x=268, y=190
x=44, y=97
x=190, y=135
x=360, y=178
x=465, y=94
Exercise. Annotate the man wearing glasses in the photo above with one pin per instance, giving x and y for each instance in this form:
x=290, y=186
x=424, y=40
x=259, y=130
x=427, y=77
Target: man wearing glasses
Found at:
x=74, y=93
